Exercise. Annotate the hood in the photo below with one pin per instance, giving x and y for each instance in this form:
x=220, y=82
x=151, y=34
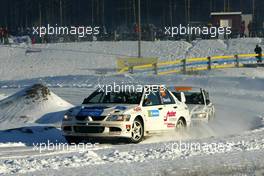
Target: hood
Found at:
x=195, y=108
x=100, y=109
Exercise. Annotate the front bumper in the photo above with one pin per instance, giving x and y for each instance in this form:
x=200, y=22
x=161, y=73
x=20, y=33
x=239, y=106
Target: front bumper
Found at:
x=97, y=129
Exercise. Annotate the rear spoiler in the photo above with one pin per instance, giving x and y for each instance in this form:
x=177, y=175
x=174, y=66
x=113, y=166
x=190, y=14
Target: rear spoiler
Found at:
x=183, y=89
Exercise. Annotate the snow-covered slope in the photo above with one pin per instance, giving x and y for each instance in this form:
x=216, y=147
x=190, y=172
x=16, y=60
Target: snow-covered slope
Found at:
x=30, y=104
x=85, y=57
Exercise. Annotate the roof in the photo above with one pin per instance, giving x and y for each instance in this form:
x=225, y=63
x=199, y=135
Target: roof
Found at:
x=225, y=13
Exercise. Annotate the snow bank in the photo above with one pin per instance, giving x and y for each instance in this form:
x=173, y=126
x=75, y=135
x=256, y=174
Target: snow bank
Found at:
x=243, y=45
x=84, y=58
x=33, y=103
x=30, y=136
x=9, y=144
x=204, y=48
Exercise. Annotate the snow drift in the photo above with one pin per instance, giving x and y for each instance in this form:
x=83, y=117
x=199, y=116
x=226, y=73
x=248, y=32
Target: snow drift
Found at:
x=32, y=104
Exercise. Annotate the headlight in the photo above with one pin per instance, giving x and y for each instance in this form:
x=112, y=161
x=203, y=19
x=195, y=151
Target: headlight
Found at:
x=67, y=117
x=118, y=118
x=200, y=115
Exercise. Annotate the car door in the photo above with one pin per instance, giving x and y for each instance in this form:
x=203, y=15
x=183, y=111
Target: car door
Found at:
x=170, y=108
x=153, y=111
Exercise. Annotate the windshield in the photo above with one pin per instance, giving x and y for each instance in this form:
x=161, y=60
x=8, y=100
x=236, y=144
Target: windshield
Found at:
x=191, y=97
x=114, y=97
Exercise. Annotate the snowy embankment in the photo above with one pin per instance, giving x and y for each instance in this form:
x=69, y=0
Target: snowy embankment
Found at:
x=85, y=58
x=32, y=104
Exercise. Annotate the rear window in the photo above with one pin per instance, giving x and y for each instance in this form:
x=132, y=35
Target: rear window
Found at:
x=191, y=97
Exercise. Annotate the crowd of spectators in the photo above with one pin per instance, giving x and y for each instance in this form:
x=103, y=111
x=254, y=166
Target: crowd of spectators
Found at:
x=149, y=32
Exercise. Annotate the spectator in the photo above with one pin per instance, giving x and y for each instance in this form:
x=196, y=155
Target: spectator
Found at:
x=250, y=32
x=1, y=36
x=258, y=50
x=242, y=29
x=5, y=35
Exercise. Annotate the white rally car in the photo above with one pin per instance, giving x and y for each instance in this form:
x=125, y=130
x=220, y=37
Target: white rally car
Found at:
x=197, y=99
x=130, y=115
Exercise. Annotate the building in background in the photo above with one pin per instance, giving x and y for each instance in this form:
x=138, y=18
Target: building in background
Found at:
x=227, y=19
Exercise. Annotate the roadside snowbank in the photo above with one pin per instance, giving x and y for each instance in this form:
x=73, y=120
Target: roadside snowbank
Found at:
x=34, y=103
x=84, y=58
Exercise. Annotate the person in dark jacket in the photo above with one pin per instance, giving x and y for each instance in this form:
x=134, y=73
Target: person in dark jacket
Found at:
x=1, y=35
x=258, y=51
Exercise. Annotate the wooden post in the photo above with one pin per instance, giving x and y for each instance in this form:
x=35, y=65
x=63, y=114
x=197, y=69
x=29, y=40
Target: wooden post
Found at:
x=130, y=69
x=155, y=68
x=237, y=61
x=184, y=70
x=209, y=63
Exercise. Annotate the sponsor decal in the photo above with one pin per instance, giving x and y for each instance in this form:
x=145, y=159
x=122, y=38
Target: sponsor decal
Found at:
x=122, y=108
x=137, y=109
x=91, y=111
x=170, y=125
x=153, y=113
x=166, y=100
x=168, y=115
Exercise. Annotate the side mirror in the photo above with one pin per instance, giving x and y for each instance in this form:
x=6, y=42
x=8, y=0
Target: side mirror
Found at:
x=183, y=99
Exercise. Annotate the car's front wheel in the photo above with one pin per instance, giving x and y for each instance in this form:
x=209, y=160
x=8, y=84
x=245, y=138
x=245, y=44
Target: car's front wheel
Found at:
x=137, y=132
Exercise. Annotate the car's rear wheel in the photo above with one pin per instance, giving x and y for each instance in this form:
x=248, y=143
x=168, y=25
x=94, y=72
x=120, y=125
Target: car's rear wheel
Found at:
x=181, y=124
x=137, y=132
x=73, y=139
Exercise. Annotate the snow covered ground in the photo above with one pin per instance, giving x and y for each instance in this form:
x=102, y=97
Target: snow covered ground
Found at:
x=85, y=58
x=232, y=144
x=2, y=96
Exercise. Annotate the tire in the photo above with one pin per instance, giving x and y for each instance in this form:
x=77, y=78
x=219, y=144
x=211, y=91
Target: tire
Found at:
x=181, y=124
x=137, y=131
x=73, y=139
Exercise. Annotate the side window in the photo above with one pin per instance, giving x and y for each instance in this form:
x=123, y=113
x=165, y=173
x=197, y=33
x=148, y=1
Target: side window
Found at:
x=177, y=95
x=166, y=97
x=152, y=99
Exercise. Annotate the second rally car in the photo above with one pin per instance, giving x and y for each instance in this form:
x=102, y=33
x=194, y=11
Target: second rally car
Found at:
x=197, y=99
x=126, y=114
